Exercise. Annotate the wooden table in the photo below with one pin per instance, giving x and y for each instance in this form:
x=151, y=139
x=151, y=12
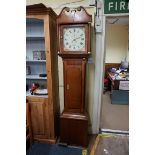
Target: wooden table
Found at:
x=118, y=96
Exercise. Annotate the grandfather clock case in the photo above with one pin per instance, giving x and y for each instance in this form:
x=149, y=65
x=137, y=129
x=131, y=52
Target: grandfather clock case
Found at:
x=74, y=47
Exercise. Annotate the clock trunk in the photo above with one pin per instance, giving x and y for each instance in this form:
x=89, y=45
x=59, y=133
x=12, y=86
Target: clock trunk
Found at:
x=74, y=84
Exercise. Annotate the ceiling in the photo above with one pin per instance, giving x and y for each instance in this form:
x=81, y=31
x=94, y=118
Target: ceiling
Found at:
x=118, y=20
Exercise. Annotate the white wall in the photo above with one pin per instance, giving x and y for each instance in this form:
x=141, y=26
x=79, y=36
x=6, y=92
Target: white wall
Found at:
x=116, y=43
x=59, y=3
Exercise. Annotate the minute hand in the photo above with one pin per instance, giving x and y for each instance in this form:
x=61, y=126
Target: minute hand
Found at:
x=76, y=38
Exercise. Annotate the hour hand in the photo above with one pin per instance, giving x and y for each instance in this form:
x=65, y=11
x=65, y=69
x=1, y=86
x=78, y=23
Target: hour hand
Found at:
x=75, y=39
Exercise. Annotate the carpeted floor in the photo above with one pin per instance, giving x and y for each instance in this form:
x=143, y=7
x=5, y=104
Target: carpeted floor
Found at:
x=48, y=149
x=114, y=116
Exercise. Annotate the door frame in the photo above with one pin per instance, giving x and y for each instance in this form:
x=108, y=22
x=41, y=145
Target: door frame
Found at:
x=99, y=68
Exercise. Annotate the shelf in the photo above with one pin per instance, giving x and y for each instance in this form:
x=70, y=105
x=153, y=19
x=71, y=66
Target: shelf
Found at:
x=31, y=77
x=31, y=38
x=35, y=60
x=29, y=94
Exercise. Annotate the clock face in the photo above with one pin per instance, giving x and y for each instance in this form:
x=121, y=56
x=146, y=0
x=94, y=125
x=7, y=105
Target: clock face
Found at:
x=74, y=39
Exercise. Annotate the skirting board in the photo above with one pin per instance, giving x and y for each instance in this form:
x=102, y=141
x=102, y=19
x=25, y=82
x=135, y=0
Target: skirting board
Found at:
x=114, y=131
x=48, y=141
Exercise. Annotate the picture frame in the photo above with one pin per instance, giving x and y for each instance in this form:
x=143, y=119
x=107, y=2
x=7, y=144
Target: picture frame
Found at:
x=39, y=55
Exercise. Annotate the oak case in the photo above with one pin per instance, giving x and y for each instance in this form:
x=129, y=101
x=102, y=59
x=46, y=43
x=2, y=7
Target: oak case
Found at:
x=74, y=118
x=74, y=84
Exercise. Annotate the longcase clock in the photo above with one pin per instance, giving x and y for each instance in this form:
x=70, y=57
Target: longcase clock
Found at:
x=74, y=48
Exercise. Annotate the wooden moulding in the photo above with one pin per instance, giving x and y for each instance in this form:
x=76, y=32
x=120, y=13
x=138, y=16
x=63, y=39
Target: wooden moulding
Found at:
x=69, y=16
x=71, y=115
x=67, y=55
x=39, y=9
x=47, y=141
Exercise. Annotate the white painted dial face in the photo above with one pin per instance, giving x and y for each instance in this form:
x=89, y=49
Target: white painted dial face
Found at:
x=74, y=39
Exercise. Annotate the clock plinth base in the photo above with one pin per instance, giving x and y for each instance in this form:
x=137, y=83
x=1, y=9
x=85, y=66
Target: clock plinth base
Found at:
x=74, y=128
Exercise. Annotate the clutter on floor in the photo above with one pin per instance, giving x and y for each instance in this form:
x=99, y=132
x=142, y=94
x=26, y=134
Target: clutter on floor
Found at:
x=111, y=144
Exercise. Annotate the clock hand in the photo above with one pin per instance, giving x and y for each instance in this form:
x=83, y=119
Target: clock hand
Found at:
x=76, y=39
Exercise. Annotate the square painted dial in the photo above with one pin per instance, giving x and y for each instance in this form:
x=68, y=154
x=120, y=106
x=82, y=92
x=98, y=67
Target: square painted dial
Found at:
x=74, y=39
